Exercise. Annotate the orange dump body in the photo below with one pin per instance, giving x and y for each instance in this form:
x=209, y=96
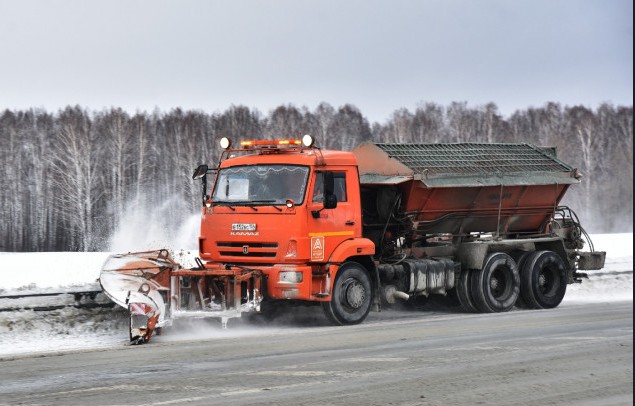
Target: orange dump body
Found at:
x=469, y=188
x=484, y=209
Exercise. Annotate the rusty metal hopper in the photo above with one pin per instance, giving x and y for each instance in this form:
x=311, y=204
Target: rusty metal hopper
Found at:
x=470, y=187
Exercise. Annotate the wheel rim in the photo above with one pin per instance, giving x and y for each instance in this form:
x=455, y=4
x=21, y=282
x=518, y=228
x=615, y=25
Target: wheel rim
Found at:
x=354, y=294
x=547, y=280
x=500, y=282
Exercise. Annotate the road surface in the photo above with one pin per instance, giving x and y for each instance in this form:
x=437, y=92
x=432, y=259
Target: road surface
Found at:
x=575, y=354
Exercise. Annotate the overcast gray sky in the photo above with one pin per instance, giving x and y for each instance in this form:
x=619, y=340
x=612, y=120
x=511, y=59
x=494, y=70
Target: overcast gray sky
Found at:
x=377, y=55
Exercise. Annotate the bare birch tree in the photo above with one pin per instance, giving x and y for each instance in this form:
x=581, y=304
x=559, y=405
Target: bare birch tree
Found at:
x=75, y=170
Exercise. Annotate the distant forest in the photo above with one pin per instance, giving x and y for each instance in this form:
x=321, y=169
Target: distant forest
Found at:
x=68, y=177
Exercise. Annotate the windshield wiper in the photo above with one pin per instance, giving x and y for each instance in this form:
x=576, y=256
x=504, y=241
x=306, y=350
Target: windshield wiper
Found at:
x=228, y=204
x=269, y=202
x=248, y=203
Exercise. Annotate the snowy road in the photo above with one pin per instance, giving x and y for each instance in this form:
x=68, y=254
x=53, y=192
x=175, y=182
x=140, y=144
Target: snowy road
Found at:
x=576, y=354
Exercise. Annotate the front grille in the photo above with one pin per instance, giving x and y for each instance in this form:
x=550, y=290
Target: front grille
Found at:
x=249, y=244
x=247, y=249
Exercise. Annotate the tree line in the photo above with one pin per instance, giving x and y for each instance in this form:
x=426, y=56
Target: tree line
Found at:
x=69, y=176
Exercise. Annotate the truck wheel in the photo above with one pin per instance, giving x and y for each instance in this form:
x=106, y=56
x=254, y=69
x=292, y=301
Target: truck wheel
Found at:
x=520, y=261
x=352, y=296
x=543, y=280
x=496, y=287
x=464, y=291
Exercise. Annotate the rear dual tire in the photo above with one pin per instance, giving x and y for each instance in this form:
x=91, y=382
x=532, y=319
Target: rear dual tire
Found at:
x=496, y=287
x=493, y=289
x=543, y=280
x=464, y=291
x=520, y=302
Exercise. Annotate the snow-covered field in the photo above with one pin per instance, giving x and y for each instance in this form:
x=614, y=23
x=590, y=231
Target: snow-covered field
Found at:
x=71, y=328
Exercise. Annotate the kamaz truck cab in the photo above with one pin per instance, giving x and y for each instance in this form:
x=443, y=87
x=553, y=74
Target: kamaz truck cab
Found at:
x=289, y=214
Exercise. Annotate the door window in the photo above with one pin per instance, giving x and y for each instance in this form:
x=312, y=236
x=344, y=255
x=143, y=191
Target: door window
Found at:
x=339, y=189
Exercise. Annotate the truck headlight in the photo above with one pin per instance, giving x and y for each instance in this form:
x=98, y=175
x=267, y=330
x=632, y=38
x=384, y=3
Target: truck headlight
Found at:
x=290, y=277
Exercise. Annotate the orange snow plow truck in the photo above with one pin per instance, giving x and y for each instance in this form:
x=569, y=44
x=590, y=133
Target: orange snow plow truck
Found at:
x=287, y=221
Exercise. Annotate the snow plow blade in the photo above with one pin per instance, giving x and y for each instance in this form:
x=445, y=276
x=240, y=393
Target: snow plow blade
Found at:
x=140, y=283
x=156, y=290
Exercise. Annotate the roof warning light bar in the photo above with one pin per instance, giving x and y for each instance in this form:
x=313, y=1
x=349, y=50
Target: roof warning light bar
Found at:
x=307, y=141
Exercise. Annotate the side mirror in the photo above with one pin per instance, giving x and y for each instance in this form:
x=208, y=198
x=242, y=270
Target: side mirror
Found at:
x=330, y=201
x=329, y=183
x=200, y=172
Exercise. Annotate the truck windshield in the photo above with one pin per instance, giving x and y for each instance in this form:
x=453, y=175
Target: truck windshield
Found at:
x=261, y=184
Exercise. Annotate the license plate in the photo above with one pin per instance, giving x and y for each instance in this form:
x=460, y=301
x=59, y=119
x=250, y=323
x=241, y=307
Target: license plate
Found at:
x=244, y=227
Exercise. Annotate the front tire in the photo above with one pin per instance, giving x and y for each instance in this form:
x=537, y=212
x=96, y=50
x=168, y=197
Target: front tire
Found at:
x=352, y=296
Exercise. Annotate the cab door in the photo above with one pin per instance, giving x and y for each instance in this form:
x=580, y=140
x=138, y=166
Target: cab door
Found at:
x=328, y=227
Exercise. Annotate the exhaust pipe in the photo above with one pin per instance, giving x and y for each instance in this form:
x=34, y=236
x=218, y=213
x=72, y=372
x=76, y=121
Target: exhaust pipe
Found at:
x=391, y=293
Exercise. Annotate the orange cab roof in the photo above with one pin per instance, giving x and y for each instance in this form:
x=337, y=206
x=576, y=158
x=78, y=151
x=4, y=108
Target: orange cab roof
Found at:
x=307, y=156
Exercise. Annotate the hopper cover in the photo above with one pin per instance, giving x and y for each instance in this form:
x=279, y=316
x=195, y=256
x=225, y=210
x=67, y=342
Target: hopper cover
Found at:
x=462, y=164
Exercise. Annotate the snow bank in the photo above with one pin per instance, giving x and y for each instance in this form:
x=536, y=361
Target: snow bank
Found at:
x=49, y=270
x=41, y=272
x=615, y=281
